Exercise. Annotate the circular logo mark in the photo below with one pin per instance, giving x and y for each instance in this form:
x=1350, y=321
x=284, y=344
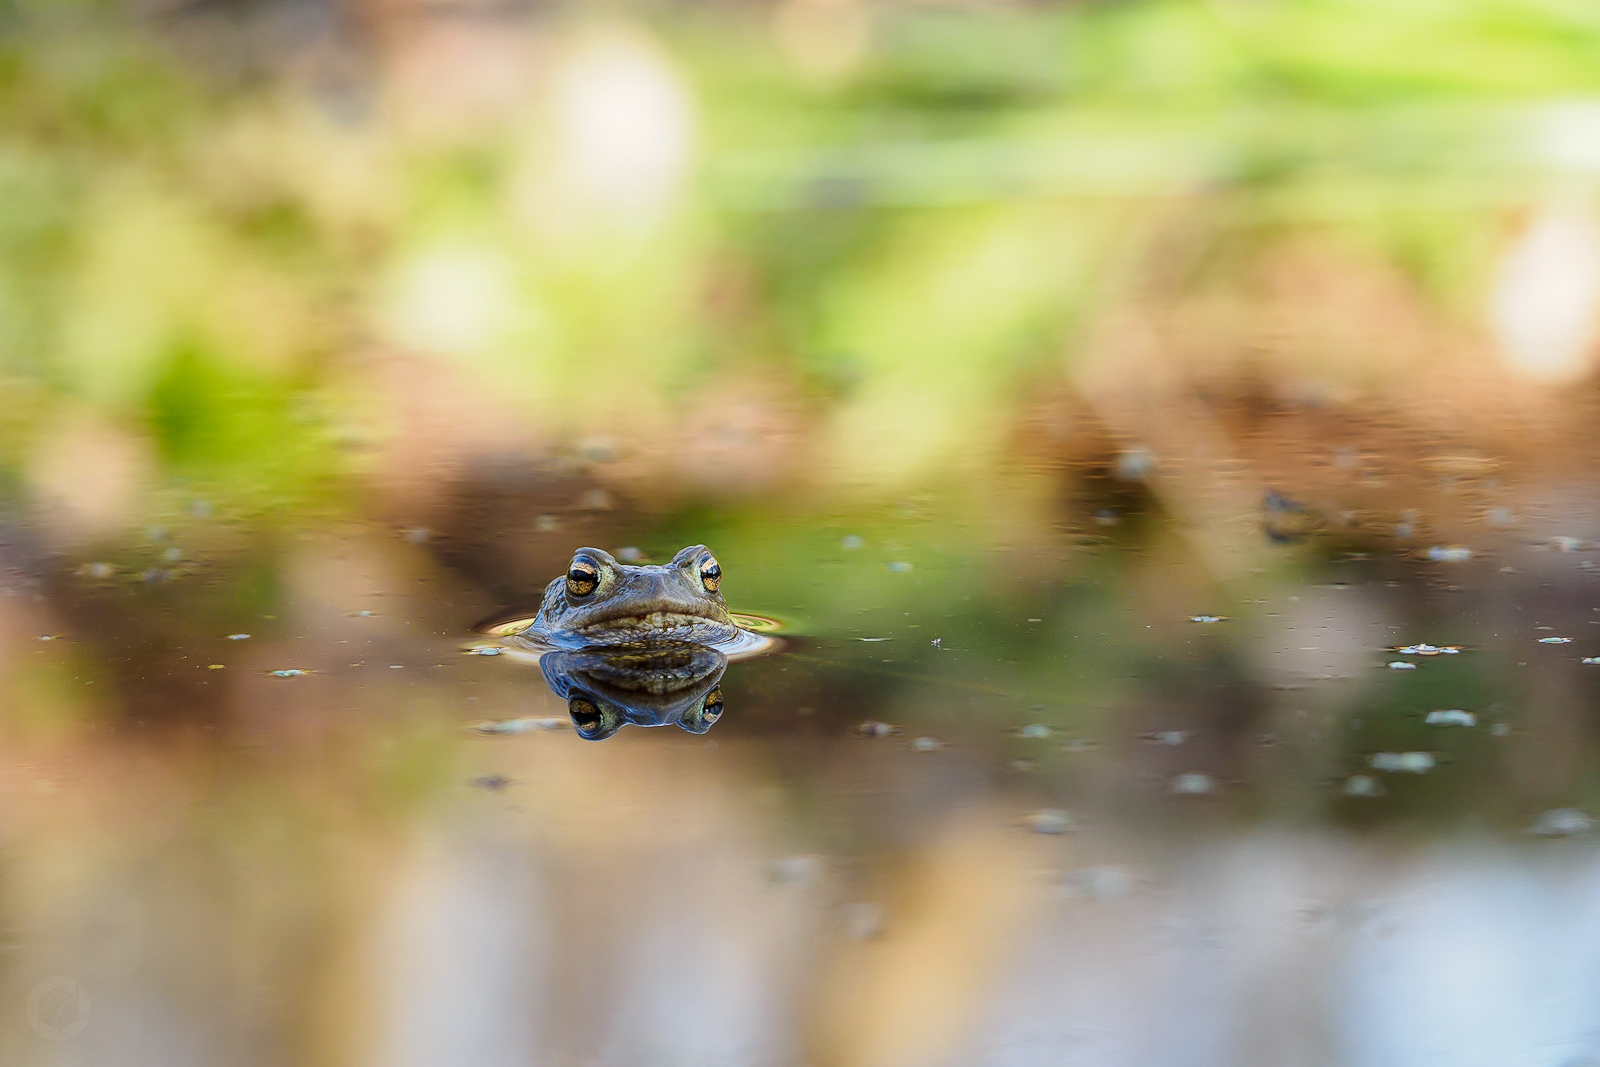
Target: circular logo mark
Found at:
x=58, y=1009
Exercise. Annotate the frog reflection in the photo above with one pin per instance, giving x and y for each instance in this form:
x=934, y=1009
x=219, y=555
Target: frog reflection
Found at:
x=655, y=684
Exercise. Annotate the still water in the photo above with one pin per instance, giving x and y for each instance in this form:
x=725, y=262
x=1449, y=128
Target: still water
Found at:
x=1048, y=772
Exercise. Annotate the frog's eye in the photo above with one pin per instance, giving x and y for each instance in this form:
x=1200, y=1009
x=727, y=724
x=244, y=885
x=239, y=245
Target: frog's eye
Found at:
x=592, y=722
x=710, y=574
x=582, y=577
x=700, y=717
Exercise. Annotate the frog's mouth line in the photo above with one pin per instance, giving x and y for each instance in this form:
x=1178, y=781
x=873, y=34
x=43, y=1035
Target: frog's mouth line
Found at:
x=675, y=617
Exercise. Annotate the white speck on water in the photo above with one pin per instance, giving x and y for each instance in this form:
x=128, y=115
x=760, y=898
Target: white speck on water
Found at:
x=1403, y=762
x=927, y=744
x=520, y=726
x=485, y=650
x=1208, y=618
x=873, y=639
x=900, y=566
x=1561, y=822
x=1429, y=650
x=1591, y=660
x=862, y=921
x=1449, y=554
x=289, y=672
x=397, y=666
x=1134, y=464
x=1048, y=821
x=1035, y=731
x=545, y=524
x=100, y=570
x=1169, y=737
x=794, y=870
x=1097, y=883
x=1193, y=784
x=1451, y=717
x=1555, y=640
x=873, y=728
x=418, y=534
x=1036, y=620
x=238, y=637
x=1401, y=665
x=851, y=542
x=1567, y=544
x=1363, y=785
x=936, y=642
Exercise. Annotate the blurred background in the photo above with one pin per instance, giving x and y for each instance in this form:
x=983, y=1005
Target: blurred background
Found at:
x=1051, y=371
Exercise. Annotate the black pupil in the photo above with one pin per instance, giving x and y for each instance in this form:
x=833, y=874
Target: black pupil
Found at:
x=711, y=573
x=584, y=714
x=582, y=579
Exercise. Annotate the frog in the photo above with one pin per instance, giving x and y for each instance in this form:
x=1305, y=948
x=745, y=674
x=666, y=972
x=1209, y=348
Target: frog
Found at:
x=656, y=683
x=603, y=601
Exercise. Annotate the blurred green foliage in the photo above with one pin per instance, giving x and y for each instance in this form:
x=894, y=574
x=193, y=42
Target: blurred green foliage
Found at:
x=909, y=233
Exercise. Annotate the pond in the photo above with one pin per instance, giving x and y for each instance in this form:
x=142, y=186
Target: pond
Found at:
x=1005, y=789
x=1144, y=458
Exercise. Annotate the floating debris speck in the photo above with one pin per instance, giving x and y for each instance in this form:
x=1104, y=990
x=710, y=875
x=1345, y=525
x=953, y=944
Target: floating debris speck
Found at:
x=1595, y=660
x=862, y=921
x=1451, y=717
x=1363, y=785
x=520, y=726
x=1449, y=554
x=1401, y=665
x=1193, y=784
x=1167, y=737
x=1048, y=821
x=1404, y=762
x=874, y=728
x=1555, y=640
x=926, y=744
x=900, y=566
x=238, y=637
x=492, y=782
x=1034, y=731
x=1208, y=618
x=1561, y=822
x=851, y=542
x=485, y=650
x=289, y=672
x=1097, y=883
x=1567, y=544
x=1427, y=650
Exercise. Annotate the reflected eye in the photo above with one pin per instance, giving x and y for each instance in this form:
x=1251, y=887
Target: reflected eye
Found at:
x=585, y=716
x=582, y=578
x=710, y=574
x=713, y=707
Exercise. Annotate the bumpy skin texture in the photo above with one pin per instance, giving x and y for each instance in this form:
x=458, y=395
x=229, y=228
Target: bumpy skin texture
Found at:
x=633, y=604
